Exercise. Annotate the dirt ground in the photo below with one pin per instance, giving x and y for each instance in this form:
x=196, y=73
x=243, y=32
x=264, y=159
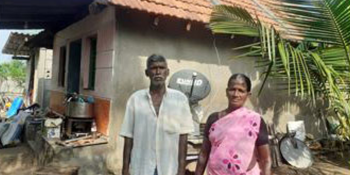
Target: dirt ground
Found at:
x=20, y=161
x=329, y=164
x=17, y=161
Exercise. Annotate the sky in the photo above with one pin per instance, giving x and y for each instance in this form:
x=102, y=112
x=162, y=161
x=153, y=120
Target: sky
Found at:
x=4, y=34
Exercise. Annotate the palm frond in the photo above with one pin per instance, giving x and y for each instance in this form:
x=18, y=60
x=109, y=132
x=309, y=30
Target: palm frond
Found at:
x=318, y=21
x=233, y=20
x=310, y=53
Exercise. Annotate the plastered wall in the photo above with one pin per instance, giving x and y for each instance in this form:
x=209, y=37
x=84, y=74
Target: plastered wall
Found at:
x=137, y=38
x=102, y=26
x=42, y=76
x=127, y=37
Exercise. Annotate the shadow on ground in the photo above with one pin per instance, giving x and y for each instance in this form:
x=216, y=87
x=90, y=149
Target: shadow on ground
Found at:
x=18, y=160
x=330, y=164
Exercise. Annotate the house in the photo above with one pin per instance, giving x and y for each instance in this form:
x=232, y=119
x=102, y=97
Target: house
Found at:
x=103, y=55
x=38, y=14
x=38, y=72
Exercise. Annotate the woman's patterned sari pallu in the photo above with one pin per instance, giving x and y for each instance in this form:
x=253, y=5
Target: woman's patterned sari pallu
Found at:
x=233, y=140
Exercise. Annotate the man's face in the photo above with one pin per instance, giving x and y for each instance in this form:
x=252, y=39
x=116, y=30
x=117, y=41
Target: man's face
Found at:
x=157, y=72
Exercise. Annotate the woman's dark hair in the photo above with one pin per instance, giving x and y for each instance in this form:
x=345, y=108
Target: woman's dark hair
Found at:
x=155, y=58
x=243, y=77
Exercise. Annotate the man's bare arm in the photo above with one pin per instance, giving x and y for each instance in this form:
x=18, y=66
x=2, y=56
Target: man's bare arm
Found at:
x=182, y=154
x=128, y=144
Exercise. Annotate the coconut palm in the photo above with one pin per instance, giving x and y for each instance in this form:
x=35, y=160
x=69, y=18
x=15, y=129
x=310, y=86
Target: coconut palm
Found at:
x=305, y=42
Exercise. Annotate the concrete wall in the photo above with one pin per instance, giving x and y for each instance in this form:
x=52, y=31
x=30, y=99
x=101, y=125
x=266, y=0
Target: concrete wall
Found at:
x=127, y=37
x=42, y=77
x=90, y=159
x=137, y=37
x=11, y=88
x=101, y=25
x=28, y=74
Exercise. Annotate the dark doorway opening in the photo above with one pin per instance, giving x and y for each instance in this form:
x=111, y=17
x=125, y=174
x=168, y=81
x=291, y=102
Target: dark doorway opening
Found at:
x=74, y=67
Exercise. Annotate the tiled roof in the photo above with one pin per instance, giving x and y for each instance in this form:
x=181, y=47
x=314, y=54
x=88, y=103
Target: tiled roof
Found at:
x=194, y=10
x=200, y=10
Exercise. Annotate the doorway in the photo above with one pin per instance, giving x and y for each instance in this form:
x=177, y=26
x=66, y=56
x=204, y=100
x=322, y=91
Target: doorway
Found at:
x=74, y=67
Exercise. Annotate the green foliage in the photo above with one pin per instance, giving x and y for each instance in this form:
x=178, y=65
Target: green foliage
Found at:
x=15, y=71
x=310, y=50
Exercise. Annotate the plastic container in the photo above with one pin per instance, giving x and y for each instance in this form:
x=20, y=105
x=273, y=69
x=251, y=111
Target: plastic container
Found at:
x=16, y=104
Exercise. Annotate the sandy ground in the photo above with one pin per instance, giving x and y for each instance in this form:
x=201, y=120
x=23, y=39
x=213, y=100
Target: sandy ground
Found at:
x=20, y=161
x=319, y=168
x=330, y=164
x=17, y=161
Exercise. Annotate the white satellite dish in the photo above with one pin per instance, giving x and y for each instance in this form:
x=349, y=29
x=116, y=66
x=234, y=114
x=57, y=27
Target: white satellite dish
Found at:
x=295, y=152
x=192, y=83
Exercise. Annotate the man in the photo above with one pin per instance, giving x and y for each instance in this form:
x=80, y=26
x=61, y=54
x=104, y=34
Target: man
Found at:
x=156, y=123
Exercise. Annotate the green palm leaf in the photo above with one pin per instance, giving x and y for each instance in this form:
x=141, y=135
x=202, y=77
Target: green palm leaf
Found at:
x=309, y=52
x=233, y=20
x=318, y=20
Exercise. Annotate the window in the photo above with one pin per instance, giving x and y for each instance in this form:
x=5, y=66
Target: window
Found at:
x=92, y=65
x=62, y=66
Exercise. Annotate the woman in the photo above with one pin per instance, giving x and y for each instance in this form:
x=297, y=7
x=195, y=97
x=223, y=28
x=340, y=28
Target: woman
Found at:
x=235, y=139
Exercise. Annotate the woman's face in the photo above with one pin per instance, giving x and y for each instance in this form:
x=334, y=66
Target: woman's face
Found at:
x=237, y=93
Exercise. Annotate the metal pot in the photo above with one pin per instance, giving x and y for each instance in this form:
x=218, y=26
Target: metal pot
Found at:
x=80, y=110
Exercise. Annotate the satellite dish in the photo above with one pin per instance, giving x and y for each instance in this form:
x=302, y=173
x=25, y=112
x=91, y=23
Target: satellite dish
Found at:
x=192, y=83
x=295, y=152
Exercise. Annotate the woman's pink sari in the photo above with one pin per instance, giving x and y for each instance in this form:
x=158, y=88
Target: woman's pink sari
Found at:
x=233, y=140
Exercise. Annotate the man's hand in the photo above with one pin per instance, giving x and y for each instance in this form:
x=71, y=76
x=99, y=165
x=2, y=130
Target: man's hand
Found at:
x=128, y=144
x=182, y=154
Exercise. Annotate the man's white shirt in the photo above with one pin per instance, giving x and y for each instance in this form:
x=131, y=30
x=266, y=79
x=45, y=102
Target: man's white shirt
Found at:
x=156, y=139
